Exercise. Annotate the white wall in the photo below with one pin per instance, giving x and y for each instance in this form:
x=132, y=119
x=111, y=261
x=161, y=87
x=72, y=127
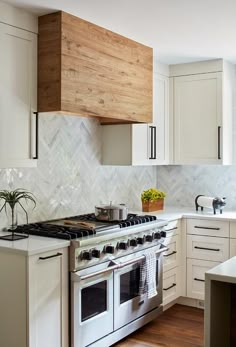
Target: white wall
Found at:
x=69, y=179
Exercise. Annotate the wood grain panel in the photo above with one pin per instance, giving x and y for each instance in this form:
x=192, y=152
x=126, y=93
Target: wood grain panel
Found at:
x=101, y=74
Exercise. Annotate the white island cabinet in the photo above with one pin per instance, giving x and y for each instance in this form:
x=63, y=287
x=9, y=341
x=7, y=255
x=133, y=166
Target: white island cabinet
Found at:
x=202, y=112
x=142, y=144
x=18, y=88
x=34, y=298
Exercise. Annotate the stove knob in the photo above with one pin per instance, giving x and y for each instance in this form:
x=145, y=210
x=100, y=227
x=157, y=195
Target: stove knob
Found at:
x=163, y=233
x=123, y=245
x=133, y=242
x=109, y=249
x=96, y=253
x=157, y=235
x=149, y=238
x=141, y=240
x=86, y=255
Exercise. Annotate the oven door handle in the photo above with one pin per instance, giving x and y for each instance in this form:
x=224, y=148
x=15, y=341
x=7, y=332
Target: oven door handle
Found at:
x=78, y=278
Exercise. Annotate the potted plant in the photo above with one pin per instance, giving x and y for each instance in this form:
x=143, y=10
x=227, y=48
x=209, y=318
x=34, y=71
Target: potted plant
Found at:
x=12, y=199
x=152, y=200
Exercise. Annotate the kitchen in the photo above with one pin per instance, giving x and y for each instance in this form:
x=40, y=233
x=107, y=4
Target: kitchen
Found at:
x=69, y=178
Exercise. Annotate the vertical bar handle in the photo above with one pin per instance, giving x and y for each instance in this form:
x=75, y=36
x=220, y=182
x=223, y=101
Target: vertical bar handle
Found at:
x=151, y=131
x=155, y=142
x=36, y=135
x=219, y=142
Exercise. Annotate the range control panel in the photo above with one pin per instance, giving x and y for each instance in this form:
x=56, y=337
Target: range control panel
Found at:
x=107, y=250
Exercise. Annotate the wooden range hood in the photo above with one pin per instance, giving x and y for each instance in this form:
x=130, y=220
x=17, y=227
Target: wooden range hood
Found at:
x=89, y=71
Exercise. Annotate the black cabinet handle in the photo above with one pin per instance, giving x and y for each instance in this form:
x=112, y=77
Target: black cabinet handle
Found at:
x=155, y=142
x=36, y=135
x=208, y=249
x=219, y=141
x=208, y=228
x=171, y=229
x=50, y=256
x=173, y=285
x=168, y=255
x=153, y=132
x=199, y=280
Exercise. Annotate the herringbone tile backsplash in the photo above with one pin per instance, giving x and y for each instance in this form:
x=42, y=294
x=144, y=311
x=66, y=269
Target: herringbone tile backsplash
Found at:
x=184, y=183
x=70, y=179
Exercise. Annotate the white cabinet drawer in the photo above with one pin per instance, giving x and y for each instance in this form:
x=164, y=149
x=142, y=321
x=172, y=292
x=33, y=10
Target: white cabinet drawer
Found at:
x=232, y=252
x=172, y=228
x=208, y=227
x=207, y=248
x=171, y=258
x=196, y=277
x=233, y=230
x=171, y=285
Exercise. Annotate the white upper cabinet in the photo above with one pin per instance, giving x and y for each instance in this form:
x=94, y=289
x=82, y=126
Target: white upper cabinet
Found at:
x=202, y=111
x=18, y=90
x=141, y=144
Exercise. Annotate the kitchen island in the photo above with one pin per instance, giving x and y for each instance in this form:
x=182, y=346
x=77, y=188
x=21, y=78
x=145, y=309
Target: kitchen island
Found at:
x=220, y=305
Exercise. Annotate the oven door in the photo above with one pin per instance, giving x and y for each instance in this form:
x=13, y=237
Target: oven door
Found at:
x=128, y=305
x=91, y=305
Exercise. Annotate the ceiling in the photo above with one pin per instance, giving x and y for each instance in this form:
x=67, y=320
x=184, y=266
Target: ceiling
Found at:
x=179, y=31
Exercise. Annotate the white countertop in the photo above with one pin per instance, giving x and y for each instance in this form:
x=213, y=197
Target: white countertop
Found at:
x=224, y=272
x=37, y=244
x=172, y=213
x=32, y=244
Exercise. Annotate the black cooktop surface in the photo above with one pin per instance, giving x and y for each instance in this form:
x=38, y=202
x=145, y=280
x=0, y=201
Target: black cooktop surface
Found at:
x=80, y=226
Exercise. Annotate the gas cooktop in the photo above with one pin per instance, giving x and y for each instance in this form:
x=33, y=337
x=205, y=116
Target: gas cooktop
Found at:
x=80, y=226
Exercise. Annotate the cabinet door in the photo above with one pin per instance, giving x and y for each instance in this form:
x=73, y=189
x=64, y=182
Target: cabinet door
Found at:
x=198, y=119
x=48, y=297
x=18, y=65
x=150, y=142
x=171, y=258
x=171, y=285
x=196, y=277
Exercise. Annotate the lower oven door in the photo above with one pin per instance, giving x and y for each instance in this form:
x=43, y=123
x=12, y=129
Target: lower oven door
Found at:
x=91, y=305
x=128, y=305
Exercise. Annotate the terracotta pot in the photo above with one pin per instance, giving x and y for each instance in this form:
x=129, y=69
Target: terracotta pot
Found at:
x=151, y=206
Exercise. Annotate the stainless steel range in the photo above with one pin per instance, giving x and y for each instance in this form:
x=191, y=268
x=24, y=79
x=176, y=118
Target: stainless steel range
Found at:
x=105, y=260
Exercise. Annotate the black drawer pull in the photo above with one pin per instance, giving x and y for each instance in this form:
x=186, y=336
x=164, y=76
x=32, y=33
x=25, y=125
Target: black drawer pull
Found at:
x=172, y=286
x=50, y=256
x=208, y=228
x=199, y=280
x=168, y=255
x=171, y=229
x=208, y=249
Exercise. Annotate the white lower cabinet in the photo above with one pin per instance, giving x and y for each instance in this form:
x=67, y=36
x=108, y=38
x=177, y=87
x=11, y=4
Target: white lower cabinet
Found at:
x=208, y=244
x=196, y=277
x=171, y=263
x=34, y=299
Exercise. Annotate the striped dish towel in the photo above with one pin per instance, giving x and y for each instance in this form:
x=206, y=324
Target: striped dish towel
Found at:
x=147, y=284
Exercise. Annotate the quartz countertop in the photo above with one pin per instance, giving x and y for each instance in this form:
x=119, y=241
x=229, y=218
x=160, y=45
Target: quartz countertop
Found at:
x=172, y=213
x=37, y=244
x=224, y=272
x=32, y=245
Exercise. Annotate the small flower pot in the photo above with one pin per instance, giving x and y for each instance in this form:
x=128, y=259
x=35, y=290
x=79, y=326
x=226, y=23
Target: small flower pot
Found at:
x=151, y=206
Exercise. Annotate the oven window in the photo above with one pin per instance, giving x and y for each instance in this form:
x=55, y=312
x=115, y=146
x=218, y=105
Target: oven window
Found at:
x=129, y=284
x=93, y=300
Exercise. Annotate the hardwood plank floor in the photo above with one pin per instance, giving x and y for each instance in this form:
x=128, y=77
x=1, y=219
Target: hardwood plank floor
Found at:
x=179, y=326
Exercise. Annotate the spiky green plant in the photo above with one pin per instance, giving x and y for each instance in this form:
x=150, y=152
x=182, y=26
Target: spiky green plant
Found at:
x=14, y=197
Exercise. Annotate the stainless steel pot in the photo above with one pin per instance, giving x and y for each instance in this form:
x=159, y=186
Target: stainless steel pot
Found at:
x=111, y=212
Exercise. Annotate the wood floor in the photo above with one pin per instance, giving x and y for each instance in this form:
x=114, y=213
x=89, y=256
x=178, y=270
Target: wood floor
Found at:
x=179, y=326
